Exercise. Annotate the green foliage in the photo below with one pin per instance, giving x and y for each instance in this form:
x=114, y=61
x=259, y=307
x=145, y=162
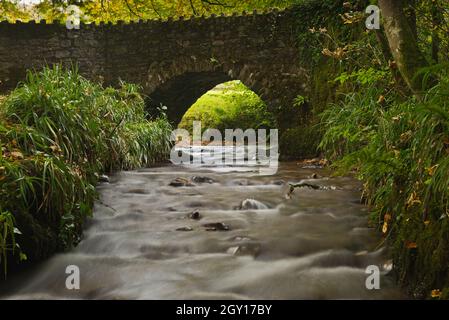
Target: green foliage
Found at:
x=126, y=10
x=8, y=244
x=299, y=101
x=300, y=142
x=228, y=106
x=363, y=76
x=350, y=124
x=58, y=132
x=10, y=10
x=400, y=150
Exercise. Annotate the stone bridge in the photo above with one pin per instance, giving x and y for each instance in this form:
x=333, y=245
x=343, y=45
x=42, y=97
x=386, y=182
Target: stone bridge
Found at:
x=175, y=61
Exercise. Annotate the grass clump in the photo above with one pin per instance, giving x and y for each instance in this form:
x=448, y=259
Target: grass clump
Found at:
x=58, y=133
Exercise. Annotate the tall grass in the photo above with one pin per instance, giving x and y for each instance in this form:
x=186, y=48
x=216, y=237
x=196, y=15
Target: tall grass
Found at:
x=58, y=133
x=400, y=150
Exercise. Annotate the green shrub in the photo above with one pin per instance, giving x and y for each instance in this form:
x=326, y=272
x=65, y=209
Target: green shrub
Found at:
x=58, y=133
x=400, y=150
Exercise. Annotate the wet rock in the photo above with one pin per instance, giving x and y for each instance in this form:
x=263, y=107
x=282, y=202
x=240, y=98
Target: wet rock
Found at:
x=197, y=179
x=185, y=229
x=195, y=215
x=242, y=183
x=314, y=176
x=251, y=204
x=278, y=182
x=181, y=182
x=252, y=249
x=103, y=178
x=216, y=226
x=233, y=250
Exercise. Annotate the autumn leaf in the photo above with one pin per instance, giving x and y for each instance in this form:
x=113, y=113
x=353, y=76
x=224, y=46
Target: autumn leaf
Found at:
x=17, y=155
x=387, y=219
x=406, y=136
x=327, y=52
x=55, y=149
x=413, y=199
x=411, y=245
x=385, y=227
x=431, y=170
x=323, y=30
x=435, y=293
x=381, y=99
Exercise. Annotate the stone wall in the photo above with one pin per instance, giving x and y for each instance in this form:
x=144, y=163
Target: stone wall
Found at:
x=175, y=61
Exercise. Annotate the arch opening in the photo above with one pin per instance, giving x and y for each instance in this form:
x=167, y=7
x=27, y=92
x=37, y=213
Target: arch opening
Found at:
x=213, y=98
x=229, y=105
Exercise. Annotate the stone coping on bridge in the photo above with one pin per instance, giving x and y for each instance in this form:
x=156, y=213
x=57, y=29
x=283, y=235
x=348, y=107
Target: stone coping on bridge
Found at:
x=149, y=21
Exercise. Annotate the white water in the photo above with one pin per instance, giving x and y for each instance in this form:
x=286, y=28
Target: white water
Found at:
x=316, y=245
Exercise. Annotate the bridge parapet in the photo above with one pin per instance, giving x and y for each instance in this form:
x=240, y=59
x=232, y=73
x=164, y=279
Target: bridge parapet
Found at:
x=167, y=58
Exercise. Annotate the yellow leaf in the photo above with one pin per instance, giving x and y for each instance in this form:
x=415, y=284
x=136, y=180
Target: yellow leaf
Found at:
x=17, y=155
x=431, y=170
x=323, y=30
x=413, y=199
x=385, y=227
x=381, y=99
x=435, y=293
x=55, y=149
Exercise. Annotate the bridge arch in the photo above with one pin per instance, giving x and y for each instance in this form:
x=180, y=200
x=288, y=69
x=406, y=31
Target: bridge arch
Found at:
x=179, y=84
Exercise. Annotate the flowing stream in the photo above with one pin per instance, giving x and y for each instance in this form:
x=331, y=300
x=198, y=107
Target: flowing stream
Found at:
x=150, y=240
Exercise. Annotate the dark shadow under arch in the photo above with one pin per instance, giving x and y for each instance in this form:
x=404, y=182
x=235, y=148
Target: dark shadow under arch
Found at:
x=180, y=93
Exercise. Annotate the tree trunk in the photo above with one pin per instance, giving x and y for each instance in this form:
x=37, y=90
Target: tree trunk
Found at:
x=410, y=13
x=437, y=20
x=402, y=42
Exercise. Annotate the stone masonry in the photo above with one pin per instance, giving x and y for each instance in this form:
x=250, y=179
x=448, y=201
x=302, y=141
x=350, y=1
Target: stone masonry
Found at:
x=175, y=61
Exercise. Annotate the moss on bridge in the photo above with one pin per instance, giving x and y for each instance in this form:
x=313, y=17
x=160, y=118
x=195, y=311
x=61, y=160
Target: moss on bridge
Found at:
x=228, y=106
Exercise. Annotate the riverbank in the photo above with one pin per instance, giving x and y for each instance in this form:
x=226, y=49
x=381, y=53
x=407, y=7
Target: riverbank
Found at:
x=59, y=133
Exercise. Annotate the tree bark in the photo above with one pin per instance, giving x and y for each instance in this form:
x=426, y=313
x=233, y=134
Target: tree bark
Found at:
x=437, y=20
x=403, y=44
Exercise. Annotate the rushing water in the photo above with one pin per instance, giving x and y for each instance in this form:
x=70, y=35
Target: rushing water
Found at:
x=142, y=243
